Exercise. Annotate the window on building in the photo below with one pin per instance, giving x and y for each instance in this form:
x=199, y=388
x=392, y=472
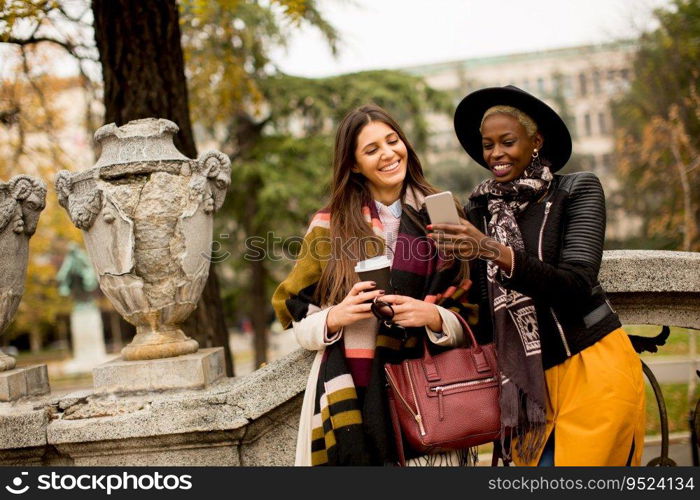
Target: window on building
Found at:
x=540, y=85
x=602, y=123
x=587, y=124
x=596, y=82
x=607, y=162
x=582, y=84
x=561, y=84
x=573, y=126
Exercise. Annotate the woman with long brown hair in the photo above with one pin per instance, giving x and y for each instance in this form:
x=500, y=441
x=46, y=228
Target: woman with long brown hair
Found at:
x=376, y=209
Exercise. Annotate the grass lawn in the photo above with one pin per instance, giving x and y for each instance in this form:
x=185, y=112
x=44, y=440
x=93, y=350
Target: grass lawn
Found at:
x=677, y=407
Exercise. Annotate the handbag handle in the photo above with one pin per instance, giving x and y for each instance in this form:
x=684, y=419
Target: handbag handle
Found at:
x=468, y=330
x=480, y=361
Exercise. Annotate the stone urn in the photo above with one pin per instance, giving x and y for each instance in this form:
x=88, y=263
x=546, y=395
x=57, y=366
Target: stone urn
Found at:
x=146, y=212
x=22, y=199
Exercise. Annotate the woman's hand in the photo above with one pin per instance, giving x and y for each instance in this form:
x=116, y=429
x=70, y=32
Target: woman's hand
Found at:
x=413, y=312
x=354, y=307
x=466, y=242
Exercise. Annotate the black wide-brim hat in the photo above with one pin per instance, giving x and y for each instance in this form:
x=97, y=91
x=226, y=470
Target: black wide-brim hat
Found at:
x=470, y=112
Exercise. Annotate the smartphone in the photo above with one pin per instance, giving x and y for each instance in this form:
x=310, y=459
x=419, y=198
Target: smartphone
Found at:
x=441, y=208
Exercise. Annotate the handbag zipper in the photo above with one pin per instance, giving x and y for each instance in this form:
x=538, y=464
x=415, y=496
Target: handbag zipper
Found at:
x=416, y=415
x=547, y=207
x=463, y=384
x=440, y=390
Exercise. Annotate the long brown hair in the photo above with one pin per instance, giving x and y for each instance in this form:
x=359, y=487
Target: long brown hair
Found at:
x=348, y=228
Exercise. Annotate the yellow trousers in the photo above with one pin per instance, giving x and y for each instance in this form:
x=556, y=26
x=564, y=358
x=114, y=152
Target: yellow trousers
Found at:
x=595, y=405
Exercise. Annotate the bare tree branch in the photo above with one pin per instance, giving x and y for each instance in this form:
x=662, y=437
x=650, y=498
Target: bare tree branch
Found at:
x=68, y=46
x=694, y=165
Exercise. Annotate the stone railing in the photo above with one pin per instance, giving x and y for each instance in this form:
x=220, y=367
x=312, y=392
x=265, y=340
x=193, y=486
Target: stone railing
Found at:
x=252, y=420
x=653, y=287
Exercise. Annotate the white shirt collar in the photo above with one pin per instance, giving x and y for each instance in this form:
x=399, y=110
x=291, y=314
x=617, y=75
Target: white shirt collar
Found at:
x=394, y=208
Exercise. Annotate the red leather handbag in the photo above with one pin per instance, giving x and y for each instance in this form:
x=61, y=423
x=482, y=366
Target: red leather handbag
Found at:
x=446, y=401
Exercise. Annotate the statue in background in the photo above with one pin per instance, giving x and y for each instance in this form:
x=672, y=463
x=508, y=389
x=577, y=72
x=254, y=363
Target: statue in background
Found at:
x=77, y=279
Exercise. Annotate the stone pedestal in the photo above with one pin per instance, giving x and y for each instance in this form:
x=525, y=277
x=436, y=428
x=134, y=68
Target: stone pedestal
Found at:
x=191, y=371
x=21, y=382
x=87, y=336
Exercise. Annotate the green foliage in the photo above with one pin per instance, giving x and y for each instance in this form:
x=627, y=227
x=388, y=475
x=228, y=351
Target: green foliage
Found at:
x=227, y=45
x=320, y=102
x=666, y=70
x=658, y=130
x=273, y=192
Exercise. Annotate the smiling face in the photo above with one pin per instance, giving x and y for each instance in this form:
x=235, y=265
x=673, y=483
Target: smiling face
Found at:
x=506, y=146
x=381, y=156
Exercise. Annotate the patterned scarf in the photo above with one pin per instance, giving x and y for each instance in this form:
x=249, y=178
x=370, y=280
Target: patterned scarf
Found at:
x=350, y=428
x=516, y=331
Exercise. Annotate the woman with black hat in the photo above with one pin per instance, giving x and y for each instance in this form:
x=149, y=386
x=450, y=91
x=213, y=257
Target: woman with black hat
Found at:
x=572, y=389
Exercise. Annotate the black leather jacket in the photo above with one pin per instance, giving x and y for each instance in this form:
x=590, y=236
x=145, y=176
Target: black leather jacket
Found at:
x=563, y=236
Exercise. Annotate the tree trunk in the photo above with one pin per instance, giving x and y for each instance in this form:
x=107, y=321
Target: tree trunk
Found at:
x=691, y=226
x=258, y=316
x=257, y=298
x=144, y=76
x=247, y=135
x=142, y=64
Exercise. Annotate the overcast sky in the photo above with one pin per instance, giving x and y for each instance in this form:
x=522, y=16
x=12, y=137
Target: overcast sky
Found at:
x=382, y=34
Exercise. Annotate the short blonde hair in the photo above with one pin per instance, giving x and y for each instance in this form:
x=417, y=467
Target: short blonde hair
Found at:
x=524, y=119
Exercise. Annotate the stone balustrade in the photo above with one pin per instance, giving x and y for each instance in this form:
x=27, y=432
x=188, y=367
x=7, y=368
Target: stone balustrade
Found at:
x=653, y=287
x=252, y=420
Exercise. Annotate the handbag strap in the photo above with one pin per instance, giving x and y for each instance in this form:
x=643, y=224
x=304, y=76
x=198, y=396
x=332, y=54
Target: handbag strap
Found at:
x=480, y=361
x=397, y=428
x=468, y=330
